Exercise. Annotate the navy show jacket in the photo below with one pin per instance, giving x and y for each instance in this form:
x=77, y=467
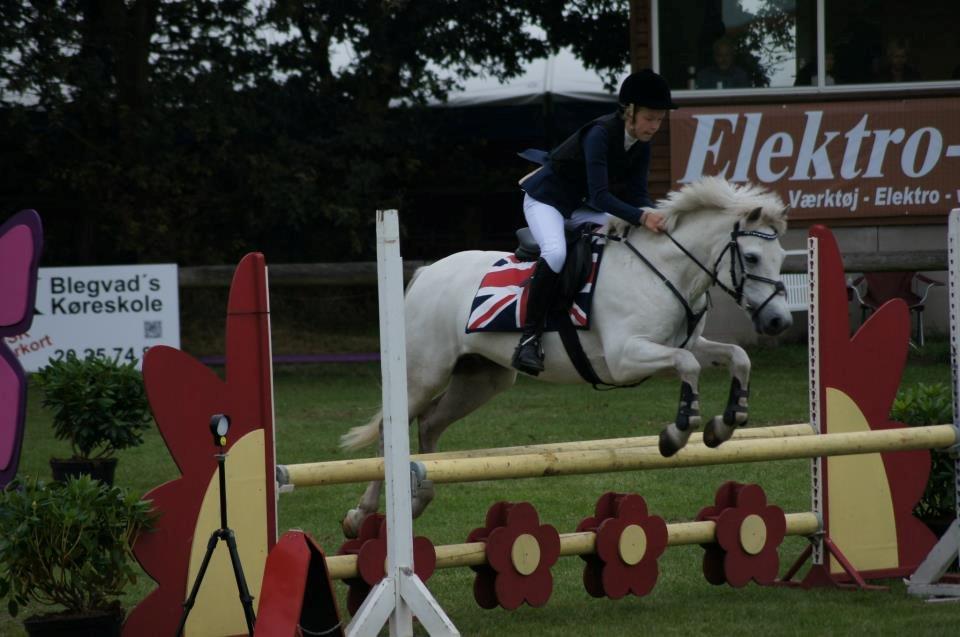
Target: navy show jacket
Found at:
x=592, y=169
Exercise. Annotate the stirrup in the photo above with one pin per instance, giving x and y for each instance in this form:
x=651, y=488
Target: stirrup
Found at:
x=528, y=356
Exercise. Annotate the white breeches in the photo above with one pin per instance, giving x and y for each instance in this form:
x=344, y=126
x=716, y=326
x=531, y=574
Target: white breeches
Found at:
x=547, y=227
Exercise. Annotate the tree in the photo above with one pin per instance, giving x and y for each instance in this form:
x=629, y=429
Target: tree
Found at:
x=115, y=93
x=598, y=32
x=401, y=49
x=197, y=131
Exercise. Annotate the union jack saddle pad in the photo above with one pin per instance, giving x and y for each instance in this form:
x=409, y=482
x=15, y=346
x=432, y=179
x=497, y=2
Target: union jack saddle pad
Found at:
x=500, y=304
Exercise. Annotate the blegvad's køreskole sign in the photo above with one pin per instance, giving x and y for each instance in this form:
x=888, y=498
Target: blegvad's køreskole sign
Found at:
x=116, y=312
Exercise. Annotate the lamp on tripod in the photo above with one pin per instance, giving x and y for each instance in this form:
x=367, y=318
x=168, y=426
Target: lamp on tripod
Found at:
x=219, y=427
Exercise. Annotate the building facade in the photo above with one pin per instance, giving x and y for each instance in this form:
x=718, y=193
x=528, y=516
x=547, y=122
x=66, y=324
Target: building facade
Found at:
x=850, y=110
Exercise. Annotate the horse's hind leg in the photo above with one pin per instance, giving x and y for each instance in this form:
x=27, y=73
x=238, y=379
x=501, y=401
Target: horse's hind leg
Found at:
x=369, y=501
x=475, y=381
x=423, y=382
x=721, y=428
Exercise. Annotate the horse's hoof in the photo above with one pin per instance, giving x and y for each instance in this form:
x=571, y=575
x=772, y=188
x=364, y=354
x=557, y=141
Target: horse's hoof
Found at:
x=352, y=522
x=422, y=497
x=710, y=438
x=713, y=435
x=667, y=446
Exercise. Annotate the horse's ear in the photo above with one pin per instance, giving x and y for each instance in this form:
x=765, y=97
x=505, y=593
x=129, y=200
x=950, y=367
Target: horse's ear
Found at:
x=754, y=215
x=785, y=212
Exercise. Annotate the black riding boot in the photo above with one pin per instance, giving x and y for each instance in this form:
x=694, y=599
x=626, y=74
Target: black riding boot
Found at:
x=528, y=357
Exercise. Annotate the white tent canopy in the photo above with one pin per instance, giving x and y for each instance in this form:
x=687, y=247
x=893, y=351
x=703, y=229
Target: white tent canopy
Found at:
x=562, y=76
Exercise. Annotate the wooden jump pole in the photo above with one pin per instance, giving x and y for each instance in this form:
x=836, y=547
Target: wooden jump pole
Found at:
x=543, y=464
x=777, y=431
x=583, y=543
x=375, y=465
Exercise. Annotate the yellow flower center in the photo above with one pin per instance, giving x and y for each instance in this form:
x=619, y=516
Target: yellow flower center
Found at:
x=753, y=534
x=525, y=554
x=633, y=544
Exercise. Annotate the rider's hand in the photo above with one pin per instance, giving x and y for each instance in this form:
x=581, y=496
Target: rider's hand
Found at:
x=654, y=221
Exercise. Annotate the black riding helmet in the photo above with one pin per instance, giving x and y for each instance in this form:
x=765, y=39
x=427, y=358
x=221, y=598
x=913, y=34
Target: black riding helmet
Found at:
x=646, y=88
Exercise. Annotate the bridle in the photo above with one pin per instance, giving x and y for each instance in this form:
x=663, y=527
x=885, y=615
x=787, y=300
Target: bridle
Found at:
x=736, y=263
x=738, y=271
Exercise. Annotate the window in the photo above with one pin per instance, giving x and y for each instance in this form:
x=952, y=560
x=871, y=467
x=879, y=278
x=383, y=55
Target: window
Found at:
x=728, y=44
x=706, y=45
x=885, y=41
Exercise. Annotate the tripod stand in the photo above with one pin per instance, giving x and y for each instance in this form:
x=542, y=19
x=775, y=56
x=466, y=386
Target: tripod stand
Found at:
x=226, y=534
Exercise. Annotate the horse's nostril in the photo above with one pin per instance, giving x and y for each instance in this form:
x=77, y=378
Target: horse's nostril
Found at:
x=775, y=325
x=778, y=324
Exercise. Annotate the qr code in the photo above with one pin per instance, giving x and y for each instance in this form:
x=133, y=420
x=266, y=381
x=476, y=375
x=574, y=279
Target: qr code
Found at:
x=153, y=329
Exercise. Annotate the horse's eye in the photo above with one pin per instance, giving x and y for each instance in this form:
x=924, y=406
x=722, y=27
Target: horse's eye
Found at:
x=751, y=259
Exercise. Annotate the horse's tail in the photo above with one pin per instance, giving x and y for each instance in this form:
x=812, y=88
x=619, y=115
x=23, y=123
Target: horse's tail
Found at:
x=359, y=437
x=369, y=433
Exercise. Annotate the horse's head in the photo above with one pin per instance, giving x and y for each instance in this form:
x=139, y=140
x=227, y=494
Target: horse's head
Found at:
x=753, y=263
x=739, y=229
x=729, y=236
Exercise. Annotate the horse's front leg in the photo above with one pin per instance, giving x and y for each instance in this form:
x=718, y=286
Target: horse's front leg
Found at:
x=640, y=358
x=721, y=428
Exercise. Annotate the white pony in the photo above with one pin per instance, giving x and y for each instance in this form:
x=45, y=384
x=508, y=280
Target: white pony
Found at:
x=718, y=234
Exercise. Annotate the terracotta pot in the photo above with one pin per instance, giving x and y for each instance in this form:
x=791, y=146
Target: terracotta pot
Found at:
x=106, y=623
x=101, y=469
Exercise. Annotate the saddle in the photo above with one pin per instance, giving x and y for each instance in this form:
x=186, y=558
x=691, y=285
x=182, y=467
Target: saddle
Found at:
x=576, y=269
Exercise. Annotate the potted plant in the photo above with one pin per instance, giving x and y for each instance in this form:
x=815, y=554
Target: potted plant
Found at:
x=931, y=404
x=100, y=406
x=69, y=543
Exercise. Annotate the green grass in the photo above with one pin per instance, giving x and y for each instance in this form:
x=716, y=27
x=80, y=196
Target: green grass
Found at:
x=316, y=404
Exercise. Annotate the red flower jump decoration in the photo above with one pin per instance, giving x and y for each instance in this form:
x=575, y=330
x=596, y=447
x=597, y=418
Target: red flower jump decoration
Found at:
x=748, y=534
x=629, y=543
x=183, y=394
x=370, y=547
x=520, y=552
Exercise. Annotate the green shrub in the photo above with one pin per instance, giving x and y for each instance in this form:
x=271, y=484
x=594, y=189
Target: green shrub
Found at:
x=68, y=543
x=99, y=406
x=932, y=404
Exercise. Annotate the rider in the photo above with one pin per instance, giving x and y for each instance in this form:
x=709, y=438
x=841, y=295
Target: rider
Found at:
x=573, y=187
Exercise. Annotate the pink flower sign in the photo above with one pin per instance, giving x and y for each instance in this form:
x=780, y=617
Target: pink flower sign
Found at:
x=21, y=242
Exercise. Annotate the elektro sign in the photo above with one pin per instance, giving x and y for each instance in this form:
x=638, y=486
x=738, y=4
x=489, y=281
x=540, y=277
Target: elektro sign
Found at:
x=833, y=160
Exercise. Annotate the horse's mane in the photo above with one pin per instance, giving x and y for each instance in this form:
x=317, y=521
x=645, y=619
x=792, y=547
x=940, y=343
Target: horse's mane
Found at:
x=719, y=194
